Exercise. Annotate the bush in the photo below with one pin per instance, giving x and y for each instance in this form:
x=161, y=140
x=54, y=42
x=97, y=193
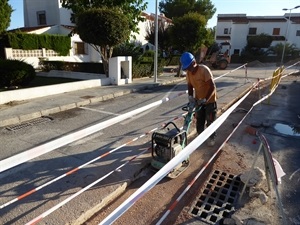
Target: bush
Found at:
x=128, y=49
x=15, y=73
x=146, y=69
x=19, y=40
x=141, y=70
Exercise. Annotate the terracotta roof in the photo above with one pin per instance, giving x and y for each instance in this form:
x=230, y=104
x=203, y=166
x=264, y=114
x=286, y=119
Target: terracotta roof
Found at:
x=242, y=18
x=151, y=17
x=295, y=20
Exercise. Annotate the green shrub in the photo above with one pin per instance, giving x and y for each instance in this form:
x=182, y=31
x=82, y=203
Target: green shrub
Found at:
x=15, y=73
x=141, y=70
x=173, y=60
x=19, y=40
x=128, y=49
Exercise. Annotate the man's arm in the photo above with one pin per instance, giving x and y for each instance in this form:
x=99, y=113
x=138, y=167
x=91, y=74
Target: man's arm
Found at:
x=190, y=90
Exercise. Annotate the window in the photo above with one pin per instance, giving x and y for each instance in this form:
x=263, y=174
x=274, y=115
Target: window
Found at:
x=227, y=31
x=298, y=33
x=252, y=30
x=236, y=51
x=276, y=31
x=80, y=48
x=41, y=18
x=72, y=19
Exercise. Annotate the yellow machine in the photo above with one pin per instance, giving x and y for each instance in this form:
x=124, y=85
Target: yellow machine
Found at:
x=217, y=56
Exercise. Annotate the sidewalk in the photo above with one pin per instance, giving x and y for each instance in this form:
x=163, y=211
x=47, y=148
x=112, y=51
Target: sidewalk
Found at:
x=26, y=110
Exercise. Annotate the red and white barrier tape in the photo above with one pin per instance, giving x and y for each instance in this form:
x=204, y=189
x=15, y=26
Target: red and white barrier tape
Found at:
x=243, y=66
x=203, y=168
x=81, y=166
x=18, y=159
x=214, y=155
x=78, y=136
x=188, y=150
x=48, y=212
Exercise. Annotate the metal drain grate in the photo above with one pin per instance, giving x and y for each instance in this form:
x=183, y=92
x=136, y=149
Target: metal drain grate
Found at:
x=29, y=123
x=218, y=198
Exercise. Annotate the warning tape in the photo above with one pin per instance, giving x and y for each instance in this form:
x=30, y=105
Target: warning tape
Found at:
x=48, y=212
x=215, y=154
x=203, y=169
x=85, y=164
x=23, y=157
x=32, y=153
x=242, y=66
x=77, y=136
x=188, y=150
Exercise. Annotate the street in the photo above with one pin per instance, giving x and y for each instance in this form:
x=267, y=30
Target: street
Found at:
x=45, y=168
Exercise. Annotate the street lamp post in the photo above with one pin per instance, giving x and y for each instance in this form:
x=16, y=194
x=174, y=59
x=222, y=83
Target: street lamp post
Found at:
x=156, y=42
x=286, y=31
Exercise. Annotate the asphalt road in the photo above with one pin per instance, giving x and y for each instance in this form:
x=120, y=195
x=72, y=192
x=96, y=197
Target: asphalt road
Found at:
x=47, y=167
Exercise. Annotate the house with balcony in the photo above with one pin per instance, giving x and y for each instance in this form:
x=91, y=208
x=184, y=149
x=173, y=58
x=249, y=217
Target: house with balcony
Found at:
x=236, y=28
x=48, y=16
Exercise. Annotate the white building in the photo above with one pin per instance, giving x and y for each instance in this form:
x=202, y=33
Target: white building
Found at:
x=235, y=28
x=48, y=16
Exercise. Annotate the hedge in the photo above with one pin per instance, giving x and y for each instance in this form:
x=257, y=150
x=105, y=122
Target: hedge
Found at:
x=59, y=43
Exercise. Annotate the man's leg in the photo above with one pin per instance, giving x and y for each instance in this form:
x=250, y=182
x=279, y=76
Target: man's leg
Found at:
x=210, y=116
x=200, y=120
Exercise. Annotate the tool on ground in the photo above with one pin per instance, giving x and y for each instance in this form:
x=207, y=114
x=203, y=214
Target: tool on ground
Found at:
x=170, y=140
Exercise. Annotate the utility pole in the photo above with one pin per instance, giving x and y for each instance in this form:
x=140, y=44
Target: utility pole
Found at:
x=286, y=31
x=156, y=42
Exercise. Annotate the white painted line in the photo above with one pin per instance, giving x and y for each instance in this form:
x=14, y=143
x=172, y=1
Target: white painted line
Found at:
x=100, y=111
x=150, y=110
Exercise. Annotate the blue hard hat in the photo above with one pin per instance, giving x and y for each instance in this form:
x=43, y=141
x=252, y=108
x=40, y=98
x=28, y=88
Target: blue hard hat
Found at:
x=186, y=60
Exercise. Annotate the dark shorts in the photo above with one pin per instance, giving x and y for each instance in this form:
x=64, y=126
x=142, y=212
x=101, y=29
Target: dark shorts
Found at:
x=206, y=116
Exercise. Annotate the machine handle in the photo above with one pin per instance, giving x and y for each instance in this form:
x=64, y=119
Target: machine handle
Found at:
x=173, y=125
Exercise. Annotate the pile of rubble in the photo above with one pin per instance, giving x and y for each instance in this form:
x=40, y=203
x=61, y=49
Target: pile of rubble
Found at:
x=259, y=207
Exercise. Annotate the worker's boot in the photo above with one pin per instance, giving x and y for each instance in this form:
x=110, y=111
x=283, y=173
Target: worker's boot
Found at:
x=211, y=142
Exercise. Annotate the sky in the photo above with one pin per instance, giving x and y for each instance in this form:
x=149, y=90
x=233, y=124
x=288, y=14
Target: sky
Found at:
x=249, y=7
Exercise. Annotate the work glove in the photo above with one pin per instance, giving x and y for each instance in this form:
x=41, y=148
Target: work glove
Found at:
x=201, y=101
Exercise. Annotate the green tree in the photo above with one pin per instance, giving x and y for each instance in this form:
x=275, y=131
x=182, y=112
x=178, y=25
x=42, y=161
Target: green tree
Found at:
x=132, y=9
x=128, y=48
x=189, y=32
x=290, y=50
x=178, y=8
x=103, y=29
x=256, y=46
x=259, y=41
x=5, y=14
